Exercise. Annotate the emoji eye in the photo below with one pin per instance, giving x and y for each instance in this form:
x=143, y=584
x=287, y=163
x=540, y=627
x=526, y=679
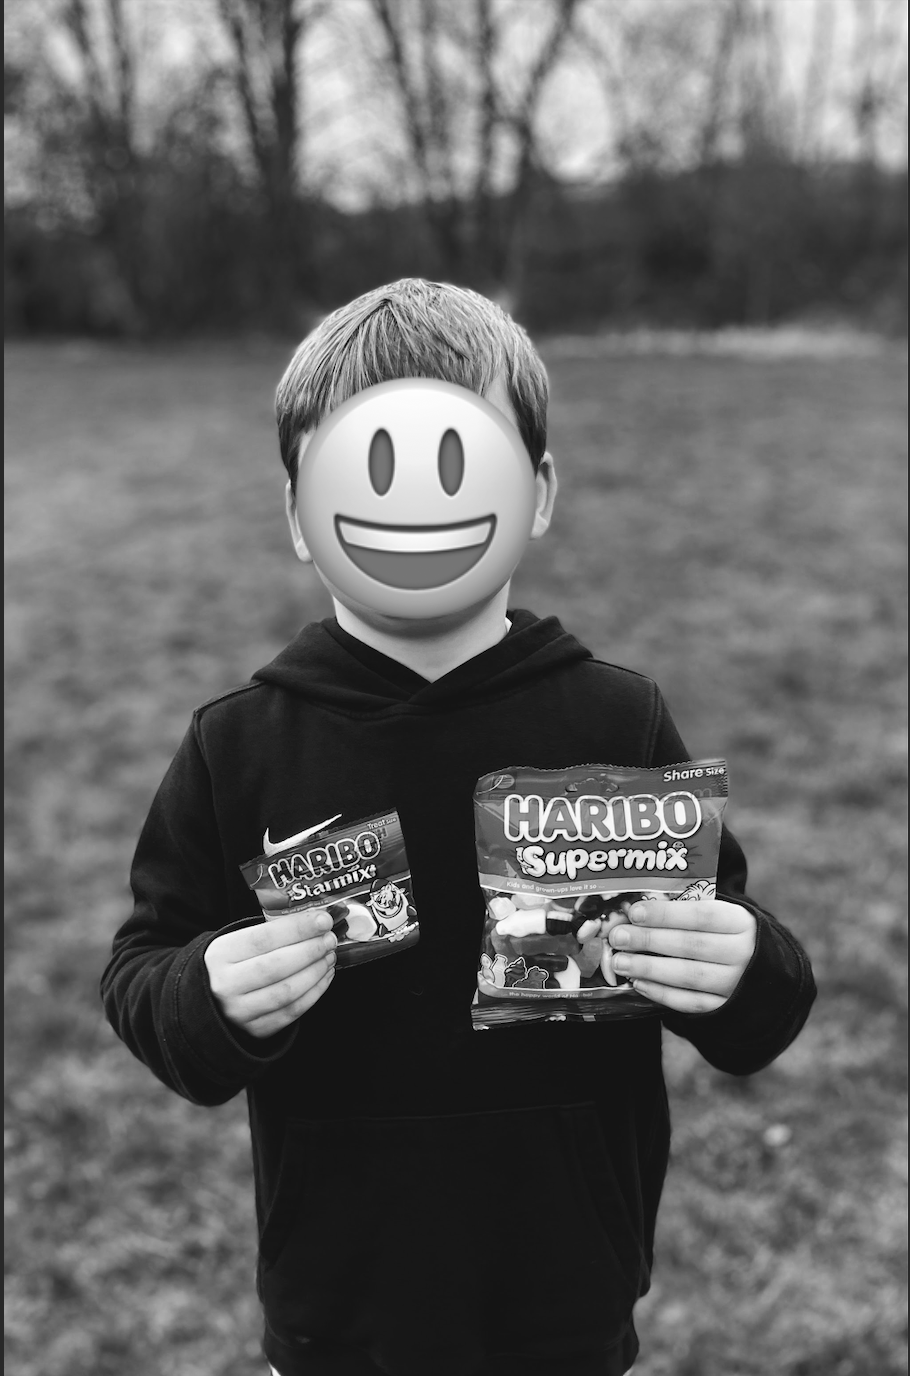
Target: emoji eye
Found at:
x=451, y=462
x=382, y=462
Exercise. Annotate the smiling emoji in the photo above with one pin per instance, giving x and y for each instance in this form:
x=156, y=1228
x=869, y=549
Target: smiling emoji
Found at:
x=415, y=498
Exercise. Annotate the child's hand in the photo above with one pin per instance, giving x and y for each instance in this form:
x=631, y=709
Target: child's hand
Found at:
x=688, y=956
x=264, y=977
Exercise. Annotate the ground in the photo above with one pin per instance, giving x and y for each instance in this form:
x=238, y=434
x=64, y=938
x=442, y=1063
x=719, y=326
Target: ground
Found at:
x=730, y=522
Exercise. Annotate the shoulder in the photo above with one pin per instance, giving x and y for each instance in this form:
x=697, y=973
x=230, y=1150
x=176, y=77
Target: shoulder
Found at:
x=230, y=716
x=229, y=701
x=232, y=723
x=627, y=706
x=627, y=684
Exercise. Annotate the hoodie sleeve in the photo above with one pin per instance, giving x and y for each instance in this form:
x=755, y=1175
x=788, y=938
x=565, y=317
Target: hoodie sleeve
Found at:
x=772, y=1000
x=155, y=989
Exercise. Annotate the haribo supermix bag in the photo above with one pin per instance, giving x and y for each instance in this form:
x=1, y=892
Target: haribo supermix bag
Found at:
x=358, y=872
x=562, y=854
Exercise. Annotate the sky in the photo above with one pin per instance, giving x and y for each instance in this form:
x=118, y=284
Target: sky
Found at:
x=348, y=145
x=352, y=149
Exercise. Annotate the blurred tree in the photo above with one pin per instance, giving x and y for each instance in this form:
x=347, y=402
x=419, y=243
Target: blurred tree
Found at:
x=266, y=38
x=878, y=82
x=470, y=110
x=167, y=170
x=877, y=90
x=817, y=80
x=105, y=122
x=718, y=161
x=92, y=125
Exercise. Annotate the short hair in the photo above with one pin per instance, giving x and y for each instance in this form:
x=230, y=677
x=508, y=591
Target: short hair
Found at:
x=411, y=328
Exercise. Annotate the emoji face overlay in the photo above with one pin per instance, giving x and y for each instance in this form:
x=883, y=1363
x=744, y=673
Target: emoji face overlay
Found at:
x=416, y=498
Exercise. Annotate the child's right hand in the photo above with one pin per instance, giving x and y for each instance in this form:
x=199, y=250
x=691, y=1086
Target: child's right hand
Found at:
x=264, y=977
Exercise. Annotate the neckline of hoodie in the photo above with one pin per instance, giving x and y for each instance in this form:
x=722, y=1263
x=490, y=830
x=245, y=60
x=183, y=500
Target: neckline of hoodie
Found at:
x=386, y=689
x=391, y=669
x=420, y=709
x=401, y=675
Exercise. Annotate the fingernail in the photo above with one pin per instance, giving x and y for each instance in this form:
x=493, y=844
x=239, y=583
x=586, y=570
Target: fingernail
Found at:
x=330, y=941
x=620, y=937
x=637, y=912
x=330, y=957
x=323, y=922
x=621, y=964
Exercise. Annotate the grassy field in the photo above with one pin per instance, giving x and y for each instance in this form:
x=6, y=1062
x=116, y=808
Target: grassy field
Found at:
x=733, y=527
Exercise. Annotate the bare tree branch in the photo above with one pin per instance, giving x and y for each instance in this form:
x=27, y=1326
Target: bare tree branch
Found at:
x=818, y=71
x=593, y=45
x=441, y=100
x=523, y=120
x=730, y=28
x=232, y=14
x=486, y=43
x=123, y=60
x=427, y=116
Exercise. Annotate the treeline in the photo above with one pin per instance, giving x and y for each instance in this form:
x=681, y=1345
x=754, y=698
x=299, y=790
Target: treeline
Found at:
x=152, y=201
x=733, y=245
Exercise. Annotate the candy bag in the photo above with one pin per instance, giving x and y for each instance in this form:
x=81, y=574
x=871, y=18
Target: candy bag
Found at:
x=562, y=854
x=359, y=873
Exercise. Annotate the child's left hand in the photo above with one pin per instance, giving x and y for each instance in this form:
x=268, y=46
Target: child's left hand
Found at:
x=688, y=956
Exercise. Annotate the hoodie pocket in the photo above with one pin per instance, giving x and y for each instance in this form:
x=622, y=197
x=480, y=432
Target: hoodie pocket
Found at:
x=433, y=1241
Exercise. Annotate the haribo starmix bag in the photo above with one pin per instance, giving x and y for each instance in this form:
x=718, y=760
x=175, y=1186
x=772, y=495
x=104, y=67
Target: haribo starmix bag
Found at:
x=358, y=872
x=562, y=854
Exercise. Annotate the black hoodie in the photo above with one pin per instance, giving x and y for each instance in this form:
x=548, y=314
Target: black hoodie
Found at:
x=432, y=1201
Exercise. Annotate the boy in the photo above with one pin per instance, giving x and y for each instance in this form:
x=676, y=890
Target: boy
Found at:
x=430, y=1202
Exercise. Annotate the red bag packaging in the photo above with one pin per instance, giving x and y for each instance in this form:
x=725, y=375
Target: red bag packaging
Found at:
x=561, y=855
x=358, y=872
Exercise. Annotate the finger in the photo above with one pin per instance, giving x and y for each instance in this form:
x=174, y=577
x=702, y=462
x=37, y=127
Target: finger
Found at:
x=262, y=1002
x=703, y=915
x=259, y=972
x=695, y=975
x=274, y=1022
x=680, y=1000
x=280, y=931
x=718, y=948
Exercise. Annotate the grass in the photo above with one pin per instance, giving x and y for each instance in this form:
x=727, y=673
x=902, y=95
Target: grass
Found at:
x=732, y=526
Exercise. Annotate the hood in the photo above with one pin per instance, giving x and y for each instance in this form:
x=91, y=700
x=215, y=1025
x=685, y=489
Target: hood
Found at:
x=328, y=665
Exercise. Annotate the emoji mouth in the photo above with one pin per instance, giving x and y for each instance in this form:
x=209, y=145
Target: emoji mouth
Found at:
x=414, y=556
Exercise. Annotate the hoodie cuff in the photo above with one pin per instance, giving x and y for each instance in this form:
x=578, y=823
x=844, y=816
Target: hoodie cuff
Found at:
x=223, y=1052
x=766, y=1009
